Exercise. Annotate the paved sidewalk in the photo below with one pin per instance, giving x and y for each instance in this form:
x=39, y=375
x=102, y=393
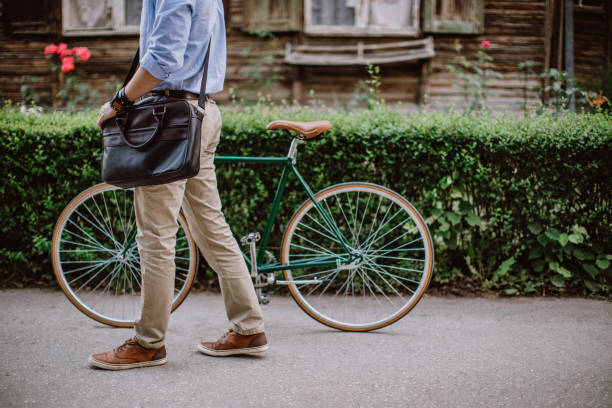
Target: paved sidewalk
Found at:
x=448, y=352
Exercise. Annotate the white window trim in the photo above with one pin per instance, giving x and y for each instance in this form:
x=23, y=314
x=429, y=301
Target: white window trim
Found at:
x=117, y=26
x=360, y=29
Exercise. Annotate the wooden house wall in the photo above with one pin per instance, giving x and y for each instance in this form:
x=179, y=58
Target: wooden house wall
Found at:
x=515, y=29
x=592, y=37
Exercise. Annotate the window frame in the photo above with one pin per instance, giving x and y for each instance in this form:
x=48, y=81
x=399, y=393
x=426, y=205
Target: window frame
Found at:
x=117, y=26
x=431, y=25
x=254, y=19
x=356, y=31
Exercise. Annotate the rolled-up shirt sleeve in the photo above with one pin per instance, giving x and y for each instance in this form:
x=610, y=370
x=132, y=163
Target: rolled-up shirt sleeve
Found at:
x=168, y=39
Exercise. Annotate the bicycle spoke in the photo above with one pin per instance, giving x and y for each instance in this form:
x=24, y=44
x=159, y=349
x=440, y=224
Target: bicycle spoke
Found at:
x=387, y=233
x=348, y=224
x=320, y=233
x=382, y=223
x=119, y=213
x=80, y=244
x=382, y=292
x=95, y=225
x=91, y=269
x=329, y=212
x=68, y=272
x=370, y=241
x=364, y=214
x=85, y=251
x=112, y=275
x=321, y=225
x=381, y=272
x=395, y=277
x=400, y=237
x=355, y=220
x=386, y=281
x=315, y=258
x=398, y=258
x=403, y=269
x=92, y=278
x=92, y=241
x=312, y=249
x=317, y=274
x=398, y=249
x=106, y=223
x=335, y=273
x=365, y=282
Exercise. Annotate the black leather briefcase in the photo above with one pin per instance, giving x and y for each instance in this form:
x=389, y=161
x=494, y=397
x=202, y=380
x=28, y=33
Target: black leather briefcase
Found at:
x=156, y=141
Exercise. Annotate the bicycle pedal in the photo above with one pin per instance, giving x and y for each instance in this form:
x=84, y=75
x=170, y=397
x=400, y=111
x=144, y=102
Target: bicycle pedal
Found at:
x=251, y=237
x=264, y=299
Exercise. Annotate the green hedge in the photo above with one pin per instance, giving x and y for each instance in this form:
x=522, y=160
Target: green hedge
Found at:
x=520, y=205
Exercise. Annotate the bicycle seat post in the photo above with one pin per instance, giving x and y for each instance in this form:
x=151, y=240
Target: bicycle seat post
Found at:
x=294, y=147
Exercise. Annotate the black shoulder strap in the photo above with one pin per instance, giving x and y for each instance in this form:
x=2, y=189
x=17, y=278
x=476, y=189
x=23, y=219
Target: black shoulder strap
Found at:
x=133, y=68
x=201, y=100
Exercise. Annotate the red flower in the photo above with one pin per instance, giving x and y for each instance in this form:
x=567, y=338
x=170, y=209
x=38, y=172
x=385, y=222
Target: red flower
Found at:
x=68, y=60
x=50, y=49
x=66, y=52
x=485, y=44
x=83, y=53
x=67, y=68
x=61, y=47
x=67, y=64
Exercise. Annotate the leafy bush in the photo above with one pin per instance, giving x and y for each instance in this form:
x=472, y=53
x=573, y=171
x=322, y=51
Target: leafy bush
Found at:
x=520, y=205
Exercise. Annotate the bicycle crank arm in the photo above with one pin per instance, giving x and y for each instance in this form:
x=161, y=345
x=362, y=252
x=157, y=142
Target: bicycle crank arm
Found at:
x=299, y=282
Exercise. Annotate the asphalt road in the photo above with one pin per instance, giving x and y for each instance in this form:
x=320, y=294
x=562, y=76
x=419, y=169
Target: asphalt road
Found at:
x=448, y=352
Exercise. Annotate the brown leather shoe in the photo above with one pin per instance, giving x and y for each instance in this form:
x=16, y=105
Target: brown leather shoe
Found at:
x=129, y=355
x=232, y=343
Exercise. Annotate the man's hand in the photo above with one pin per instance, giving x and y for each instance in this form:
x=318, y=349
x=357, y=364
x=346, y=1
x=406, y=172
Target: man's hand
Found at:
x=106, y=112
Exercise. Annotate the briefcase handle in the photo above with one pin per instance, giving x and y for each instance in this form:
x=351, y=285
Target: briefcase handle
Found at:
x=159, y=113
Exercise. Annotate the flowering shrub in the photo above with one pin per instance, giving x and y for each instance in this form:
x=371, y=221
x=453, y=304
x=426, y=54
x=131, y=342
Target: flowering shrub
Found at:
x=474, y=76
x=61, y=57
x=66, y=56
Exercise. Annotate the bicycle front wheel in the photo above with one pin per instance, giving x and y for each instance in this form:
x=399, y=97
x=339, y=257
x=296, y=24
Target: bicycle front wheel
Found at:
x=383, y=274
x=96, y=261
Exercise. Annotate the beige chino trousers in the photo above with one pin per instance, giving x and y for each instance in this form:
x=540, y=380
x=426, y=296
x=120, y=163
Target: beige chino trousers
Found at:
x=157, y=209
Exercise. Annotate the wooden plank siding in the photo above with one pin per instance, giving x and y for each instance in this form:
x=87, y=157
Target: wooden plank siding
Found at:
x=515, y=29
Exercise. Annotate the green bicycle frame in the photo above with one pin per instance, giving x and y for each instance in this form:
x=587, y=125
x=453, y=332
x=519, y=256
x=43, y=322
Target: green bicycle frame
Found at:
x=288, y=167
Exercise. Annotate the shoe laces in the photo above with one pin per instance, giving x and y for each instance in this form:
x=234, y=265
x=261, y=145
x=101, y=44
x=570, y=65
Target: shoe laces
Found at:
x=126, y=344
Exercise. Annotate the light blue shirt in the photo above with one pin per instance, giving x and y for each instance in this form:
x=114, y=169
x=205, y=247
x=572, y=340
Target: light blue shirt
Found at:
x=174, y=36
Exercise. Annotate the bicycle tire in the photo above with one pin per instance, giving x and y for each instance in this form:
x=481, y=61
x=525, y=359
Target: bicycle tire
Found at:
x=308, y=237
x=97, y=223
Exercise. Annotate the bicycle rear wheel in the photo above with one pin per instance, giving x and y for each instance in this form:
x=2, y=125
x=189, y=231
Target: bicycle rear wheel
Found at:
x=390, y=242
x=96, y=263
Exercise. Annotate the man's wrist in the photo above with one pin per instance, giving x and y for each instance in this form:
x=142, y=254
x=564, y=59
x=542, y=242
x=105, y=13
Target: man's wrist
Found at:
x=120, y=101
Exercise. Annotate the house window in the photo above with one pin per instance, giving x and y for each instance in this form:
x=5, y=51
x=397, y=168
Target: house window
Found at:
x=270, y=15
x=453, y=16
x=86, y=17
x=361, y=17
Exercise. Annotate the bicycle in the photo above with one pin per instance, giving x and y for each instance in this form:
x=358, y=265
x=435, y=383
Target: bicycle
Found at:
x=356, y=256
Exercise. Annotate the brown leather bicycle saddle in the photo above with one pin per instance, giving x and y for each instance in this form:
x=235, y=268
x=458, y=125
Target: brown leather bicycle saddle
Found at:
x=308, y=130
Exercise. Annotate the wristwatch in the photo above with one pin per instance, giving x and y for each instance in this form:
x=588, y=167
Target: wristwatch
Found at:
x=120, y=101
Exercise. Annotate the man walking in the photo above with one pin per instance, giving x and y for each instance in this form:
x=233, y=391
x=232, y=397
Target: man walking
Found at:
x=174, y=37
